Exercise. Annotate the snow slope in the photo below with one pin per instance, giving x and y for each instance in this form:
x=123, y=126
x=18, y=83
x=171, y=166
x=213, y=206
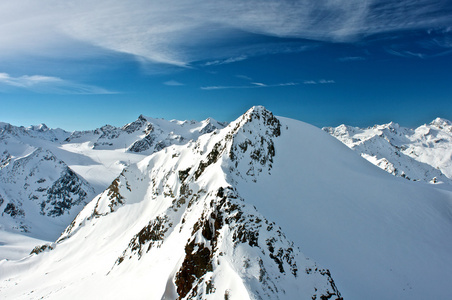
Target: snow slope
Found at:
x=424, y=153
x=233, y=214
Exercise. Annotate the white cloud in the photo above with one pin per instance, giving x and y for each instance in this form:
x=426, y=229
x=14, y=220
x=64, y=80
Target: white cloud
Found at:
x=244, y=77
x=321, y=81
x=180, y=32
x=251, y=86
x=226, y=61
x=258, y=84
x=351, y=58
x=173, y=83
x=48, y=85
x=310, y=82
x=324, y=81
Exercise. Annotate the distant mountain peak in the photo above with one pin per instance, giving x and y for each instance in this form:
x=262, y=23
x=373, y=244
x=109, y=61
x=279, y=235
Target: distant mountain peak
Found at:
x=41, y=127
x=441, y=123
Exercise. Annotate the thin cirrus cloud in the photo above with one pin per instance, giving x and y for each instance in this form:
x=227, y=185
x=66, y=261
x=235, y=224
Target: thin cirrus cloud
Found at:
x=180, y=32
x=351, y=58
x=173, y=83
x=252, y=85
x=321, y=81
x=226, y=61
x=48, y=84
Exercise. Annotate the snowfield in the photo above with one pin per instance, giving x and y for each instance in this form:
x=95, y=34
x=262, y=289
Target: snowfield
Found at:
x=265, y=208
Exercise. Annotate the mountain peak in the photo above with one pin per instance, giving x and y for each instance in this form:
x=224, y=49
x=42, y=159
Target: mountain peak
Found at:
x=261, y=117
x=257, y=110
x=441, y=123
x=41, y=127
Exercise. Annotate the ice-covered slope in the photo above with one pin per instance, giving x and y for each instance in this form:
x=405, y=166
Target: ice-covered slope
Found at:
x=424, y=153
x=229, y=216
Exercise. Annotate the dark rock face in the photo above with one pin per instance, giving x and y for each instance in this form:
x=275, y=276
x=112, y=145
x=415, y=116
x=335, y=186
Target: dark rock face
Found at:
x=152, y=235
x=13, y=210
x=142, y=145
x=42, y=248
x=136, y=125
x=65, y=192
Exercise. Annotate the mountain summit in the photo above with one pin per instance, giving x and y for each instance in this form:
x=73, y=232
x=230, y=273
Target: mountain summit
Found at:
x=236, y=213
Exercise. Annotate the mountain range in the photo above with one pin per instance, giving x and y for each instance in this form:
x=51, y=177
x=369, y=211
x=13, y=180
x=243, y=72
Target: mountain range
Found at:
x=262, y=208
x=420, y=154
x=48, y=175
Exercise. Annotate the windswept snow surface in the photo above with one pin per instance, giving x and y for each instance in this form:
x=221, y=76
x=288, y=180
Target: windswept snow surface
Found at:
x=233, y=214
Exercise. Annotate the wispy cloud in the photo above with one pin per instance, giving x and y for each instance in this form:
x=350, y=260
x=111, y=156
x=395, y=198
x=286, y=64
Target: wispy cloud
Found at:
x=244, y=77
x=49, y=85
x=253, y=85
x=404, y=53
x=325, y=81
x=351, y=58
x=180, y=32
x=321, y=81
x=310, y=82
x=173, y=83
x=226, y=61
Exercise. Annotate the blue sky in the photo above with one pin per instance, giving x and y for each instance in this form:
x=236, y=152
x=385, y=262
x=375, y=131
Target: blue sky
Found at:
x=81, y=65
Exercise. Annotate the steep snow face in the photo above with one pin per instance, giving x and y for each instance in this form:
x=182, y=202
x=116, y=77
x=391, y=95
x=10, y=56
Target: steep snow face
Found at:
x=38, y=193
x=422, y=154
x=174, y=226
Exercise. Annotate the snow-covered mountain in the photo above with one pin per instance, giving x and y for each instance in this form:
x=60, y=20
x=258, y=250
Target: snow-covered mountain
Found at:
x=236, y=214
x=146, y=134
x=424, y=153
x=48, y=175
x=38, y=186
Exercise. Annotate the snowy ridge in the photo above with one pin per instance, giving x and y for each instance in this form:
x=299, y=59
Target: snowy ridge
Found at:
x=145, y=135
x=424, y=153
x=40, y=131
